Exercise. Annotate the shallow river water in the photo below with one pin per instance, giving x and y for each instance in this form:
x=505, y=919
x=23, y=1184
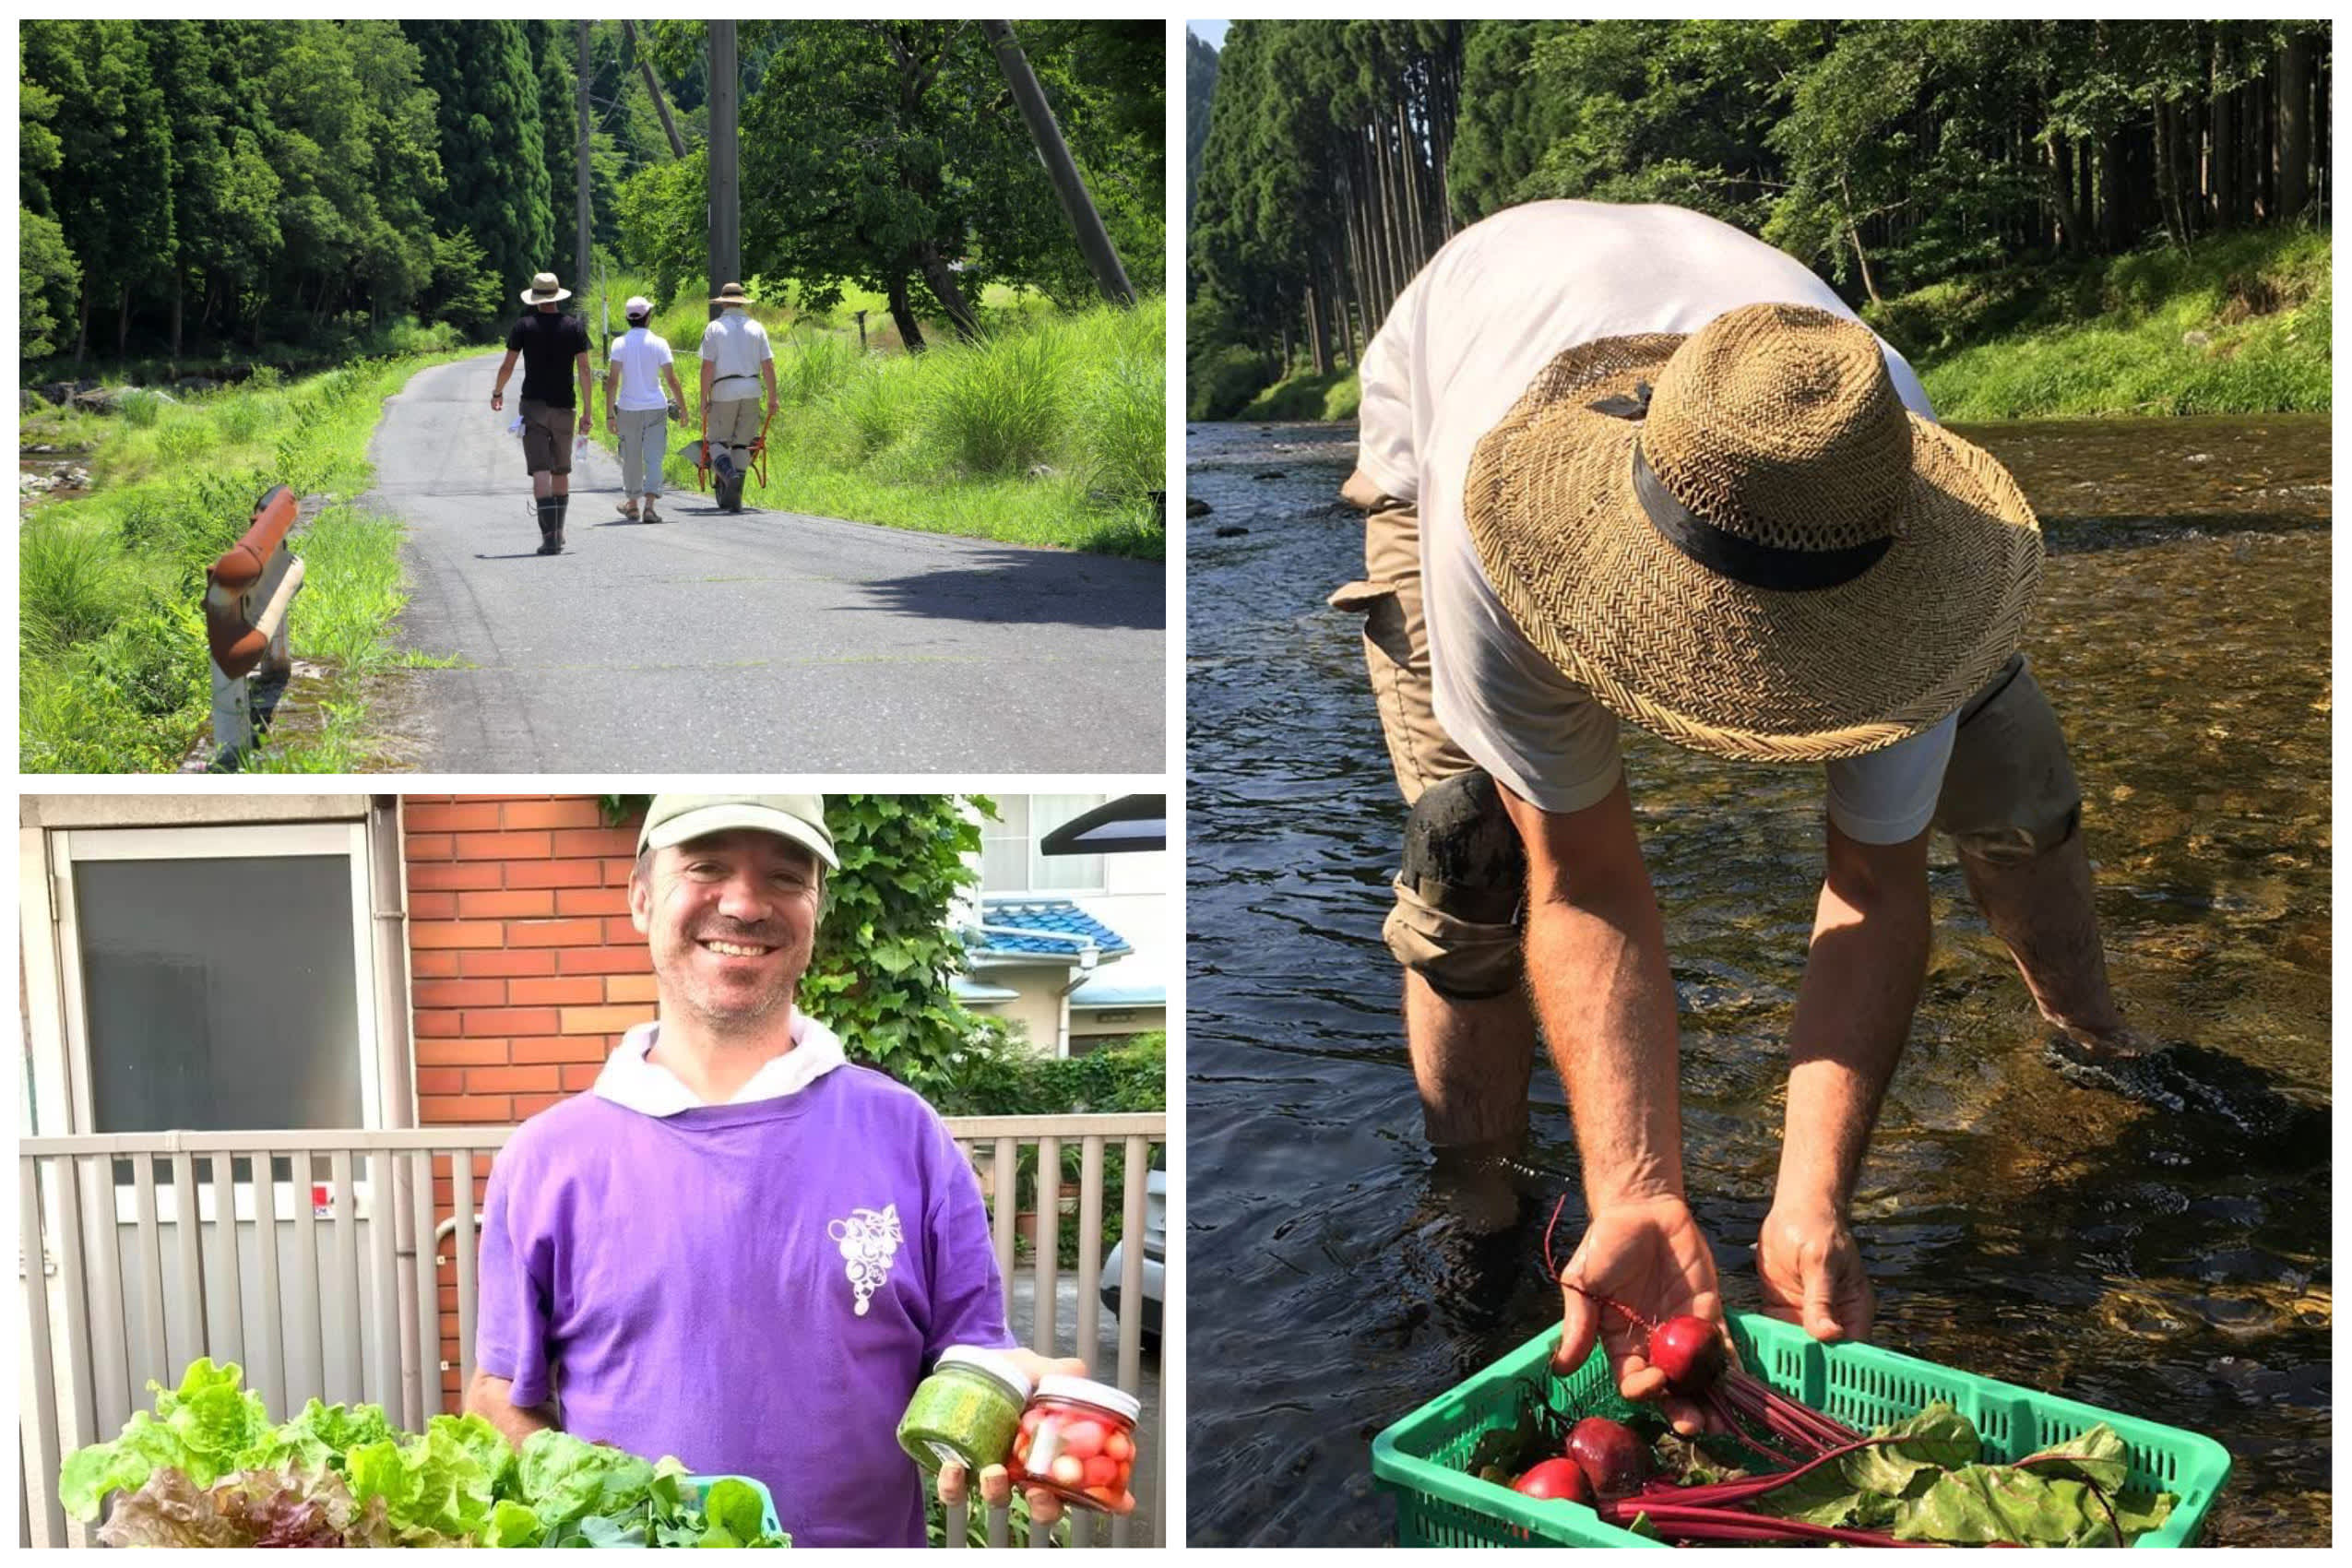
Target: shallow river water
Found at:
x=2016, y=1225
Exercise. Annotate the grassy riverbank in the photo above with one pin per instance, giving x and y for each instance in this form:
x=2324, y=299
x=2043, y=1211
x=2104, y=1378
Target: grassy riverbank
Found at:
x=113, y=675
x=2237, y=324
x=1052, y=431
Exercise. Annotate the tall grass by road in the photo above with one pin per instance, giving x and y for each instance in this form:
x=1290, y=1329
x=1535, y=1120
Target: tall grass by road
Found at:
x=112, y=672
x=1052, y=430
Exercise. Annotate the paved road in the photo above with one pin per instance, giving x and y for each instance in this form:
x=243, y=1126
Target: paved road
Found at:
x=771, y=641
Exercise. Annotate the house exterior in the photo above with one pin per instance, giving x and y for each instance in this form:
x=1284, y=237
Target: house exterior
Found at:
x=1076, y=951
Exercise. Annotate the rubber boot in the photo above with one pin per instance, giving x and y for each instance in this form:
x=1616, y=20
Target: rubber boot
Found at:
x=549, y=529
x=726, y=489
x=563, y=507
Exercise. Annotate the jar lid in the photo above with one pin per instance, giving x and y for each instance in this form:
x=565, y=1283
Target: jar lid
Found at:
x=1118, y=1401
x=993, y=1363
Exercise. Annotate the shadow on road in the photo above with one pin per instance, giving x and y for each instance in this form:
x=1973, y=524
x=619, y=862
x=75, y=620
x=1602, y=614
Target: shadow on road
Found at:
x=1034, y=586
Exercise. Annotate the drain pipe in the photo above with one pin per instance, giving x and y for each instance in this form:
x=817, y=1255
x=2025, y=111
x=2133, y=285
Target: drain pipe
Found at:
x=397, y=1083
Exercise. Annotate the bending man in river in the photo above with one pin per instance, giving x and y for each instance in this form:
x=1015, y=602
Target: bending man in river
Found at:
x=737, y=1247
x=1627, y=462
x=550, y=343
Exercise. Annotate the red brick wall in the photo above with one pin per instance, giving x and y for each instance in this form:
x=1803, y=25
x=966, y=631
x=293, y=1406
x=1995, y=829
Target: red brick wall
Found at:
x=524, y=968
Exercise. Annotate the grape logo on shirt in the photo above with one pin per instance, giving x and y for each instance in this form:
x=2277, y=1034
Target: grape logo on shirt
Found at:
x=869, y=1241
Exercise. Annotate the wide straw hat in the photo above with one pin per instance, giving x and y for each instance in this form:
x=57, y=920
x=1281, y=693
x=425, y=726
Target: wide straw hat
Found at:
x=543, y=289
x=1741, y=541
x=730, y=294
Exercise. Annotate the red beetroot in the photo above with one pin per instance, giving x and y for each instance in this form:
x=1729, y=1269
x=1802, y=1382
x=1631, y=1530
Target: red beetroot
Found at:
x=1555, y=1478
x=1690, y=1352
x=1614, y=1460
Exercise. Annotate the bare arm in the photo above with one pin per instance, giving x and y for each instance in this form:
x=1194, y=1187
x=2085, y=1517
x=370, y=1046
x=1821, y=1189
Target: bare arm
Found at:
x=1869, y=954
x=486, y=1397
x=708, y=375
x=587, y=390
x=1597, y=963
x=768, y=374
x=506, y=369
x=677, y=395
x=612, y=399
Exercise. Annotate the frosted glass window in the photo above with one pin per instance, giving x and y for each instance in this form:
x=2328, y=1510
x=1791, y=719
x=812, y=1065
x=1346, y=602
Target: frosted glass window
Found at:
x=222, y=995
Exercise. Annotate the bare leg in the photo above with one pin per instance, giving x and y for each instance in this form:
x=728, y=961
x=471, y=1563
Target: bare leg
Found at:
x=2041, y=909
x=1470, y=1062
x=542, y=484
x=563, y=484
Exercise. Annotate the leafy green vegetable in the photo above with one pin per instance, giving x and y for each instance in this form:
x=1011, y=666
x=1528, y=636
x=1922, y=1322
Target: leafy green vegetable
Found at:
x=566, y=1477
x=207, y=1468
x=293, y=1507
x=202, y=1428
x=1931, y=1483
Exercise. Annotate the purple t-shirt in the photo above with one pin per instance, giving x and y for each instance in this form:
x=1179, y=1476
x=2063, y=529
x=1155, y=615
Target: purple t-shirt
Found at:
x=756, y=1288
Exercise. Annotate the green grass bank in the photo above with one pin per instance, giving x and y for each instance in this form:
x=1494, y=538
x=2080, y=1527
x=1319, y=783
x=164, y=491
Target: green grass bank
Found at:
x=112, y=672
x=2237, y=324
x=1052, y=430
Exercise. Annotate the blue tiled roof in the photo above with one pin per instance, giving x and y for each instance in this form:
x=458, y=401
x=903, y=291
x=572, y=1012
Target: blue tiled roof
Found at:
x=1070, y=925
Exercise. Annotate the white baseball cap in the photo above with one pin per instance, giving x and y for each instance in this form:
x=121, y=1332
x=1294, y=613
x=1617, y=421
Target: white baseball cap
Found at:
x=638, y=307
x=674, y=819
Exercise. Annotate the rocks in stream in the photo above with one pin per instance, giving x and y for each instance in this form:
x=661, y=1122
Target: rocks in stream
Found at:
x=1230, y=530
x=1197, y=508
x=65, y=476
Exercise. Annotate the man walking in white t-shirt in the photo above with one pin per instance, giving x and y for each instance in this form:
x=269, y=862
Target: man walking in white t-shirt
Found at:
x=635, y=411
x=736, y=361
x=1629, y=462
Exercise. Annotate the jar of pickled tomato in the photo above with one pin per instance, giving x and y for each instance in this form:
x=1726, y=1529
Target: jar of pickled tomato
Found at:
x=967, y=1412
x=1077, y=1440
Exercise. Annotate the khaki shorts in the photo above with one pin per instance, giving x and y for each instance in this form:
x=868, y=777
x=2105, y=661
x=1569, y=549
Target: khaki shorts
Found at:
x=547, y=436
x=2009, y=791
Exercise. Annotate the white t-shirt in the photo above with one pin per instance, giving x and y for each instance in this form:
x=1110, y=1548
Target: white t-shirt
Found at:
x=1461, y=345
x=734, y=347
x=637, y=357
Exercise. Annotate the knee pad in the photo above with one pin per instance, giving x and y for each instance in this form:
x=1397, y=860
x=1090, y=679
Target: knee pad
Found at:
x=1459, y=889
x=2010, y=792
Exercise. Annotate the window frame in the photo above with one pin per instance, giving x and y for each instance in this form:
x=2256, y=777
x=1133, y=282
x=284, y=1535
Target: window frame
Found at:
x=60, y=1039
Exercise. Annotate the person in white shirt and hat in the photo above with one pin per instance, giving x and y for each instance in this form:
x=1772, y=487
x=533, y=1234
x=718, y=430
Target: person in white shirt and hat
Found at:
x=638, y=413
x=736, y=361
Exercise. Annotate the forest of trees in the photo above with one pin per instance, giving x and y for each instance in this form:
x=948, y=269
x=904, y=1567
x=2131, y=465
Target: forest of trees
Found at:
x=1889, y=155
x=196, y=187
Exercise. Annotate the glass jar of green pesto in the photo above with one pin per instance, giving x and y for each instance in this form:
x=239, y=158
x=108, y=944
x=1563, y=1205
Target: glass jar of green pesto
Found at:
x=967, y=1410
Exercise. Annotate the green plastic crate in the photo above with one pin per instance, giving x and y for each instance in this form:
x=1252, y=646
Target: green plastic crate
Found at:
x=1419, y=1459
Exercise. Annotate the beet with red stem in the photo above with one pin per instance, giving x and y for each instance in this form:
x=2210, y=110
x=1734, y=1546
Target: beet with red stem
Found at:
x=1612, y=1458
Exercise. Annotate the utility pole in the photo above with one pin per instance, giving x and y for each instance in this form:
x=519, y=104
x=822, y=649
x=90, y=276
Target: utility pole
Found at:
x=653, y=86
x=726, y=214
x=1055, y=153
x=580, y=256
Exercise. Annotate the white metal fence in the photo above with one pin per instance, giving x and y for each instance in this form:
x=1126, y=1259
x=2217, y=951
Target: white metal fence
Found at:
x=317, y=1285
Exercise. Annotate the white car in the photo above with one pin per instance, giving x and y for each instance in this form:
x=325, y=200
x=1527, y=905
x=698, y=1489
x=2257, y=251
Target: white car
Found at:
x=1155, y=1260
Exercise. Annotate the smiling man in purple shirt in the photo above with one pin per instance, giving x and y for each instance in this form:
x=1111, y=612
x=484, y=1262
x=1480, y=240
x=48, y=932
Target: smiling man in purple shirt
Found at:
x=737, y=1248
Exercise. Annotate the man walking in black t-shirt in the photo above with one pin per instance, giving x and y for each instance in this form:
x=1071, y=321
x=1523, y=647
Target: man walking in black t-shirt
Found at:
x=547, y=340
